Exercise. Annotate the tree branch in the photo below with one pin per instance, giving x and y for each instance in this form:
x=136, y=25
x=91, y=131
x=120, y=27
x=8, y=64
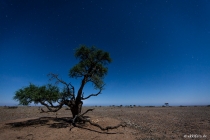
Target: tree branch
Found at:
x=55, y=76
x=58, y=107
x=72, y=87
x=92, y=95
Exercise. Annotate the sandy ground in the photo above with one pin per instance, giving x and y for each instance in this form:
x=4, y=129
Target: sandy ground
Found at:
x=143, y=123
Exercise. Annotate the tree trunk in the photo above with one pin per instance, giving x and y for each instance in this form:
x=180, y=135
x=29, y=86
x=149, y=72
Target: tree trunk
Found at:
x=76, y=106
x=76, y=109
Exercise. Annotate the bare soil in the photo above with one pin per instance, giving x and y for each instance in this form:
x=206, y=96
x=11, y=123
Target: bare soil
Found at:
x=143, y=123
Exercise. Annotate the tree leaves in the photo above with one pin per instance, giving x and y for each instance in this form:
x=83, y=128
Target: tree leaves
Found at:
x=91, y=65
x=25, y=95
x=33, y=93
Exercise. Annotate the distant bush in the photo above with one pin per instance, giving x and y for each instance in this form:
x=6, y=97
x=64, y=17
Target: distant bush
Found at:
x=182, y=106
x=12, y=107
x=163, y=106
x=208, y=105
x=149, y=106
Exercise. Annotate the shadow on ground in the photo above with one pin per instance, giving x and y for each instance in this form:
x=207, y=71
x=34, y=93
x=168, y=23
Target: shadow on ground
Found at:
x=51, y=121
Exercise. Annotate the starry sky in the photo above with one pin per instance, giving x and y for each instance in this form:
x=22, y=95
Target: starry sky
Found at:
x=160, y=48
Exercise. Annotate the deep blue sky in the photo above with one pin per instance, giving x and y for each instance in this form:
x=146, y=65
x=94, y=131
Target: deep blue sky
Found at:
x=160, y=48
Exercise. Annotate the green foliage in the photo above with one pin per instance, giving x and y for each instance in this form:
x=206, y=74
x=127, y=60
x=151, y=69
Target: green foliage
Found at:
x=91, y=65
x=36, y=94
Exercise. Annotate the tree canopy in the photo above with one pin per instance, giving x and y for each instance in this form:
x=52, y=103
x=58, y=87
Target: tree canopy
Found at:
x=91, y=65
x=37, y=94
x=91, y=68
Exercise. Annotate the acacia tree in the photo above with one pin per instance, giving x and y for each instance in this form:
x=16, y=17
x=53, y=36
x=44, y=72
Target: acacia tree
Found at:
x=166, y=104
x=91, y=68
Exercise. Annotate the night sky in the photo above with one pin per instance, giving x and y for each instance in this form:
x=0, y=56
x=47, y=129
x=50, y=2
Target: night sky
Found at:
x=160, y=48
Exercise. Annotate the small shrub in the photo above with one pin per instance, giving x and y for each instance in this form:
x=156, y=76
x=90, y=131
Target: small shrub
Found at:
x=12, y=107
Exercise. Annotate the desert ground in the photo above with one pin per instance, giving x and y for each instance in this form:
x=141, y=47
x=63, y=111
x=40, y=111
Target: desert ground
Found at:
x=143, y=123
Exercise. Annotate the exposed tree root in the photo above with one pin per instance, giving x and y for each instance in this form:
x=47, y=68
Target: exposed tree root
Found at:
x=84, y=120
x=100, y=131
x=106, y=128
x=102, y=128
